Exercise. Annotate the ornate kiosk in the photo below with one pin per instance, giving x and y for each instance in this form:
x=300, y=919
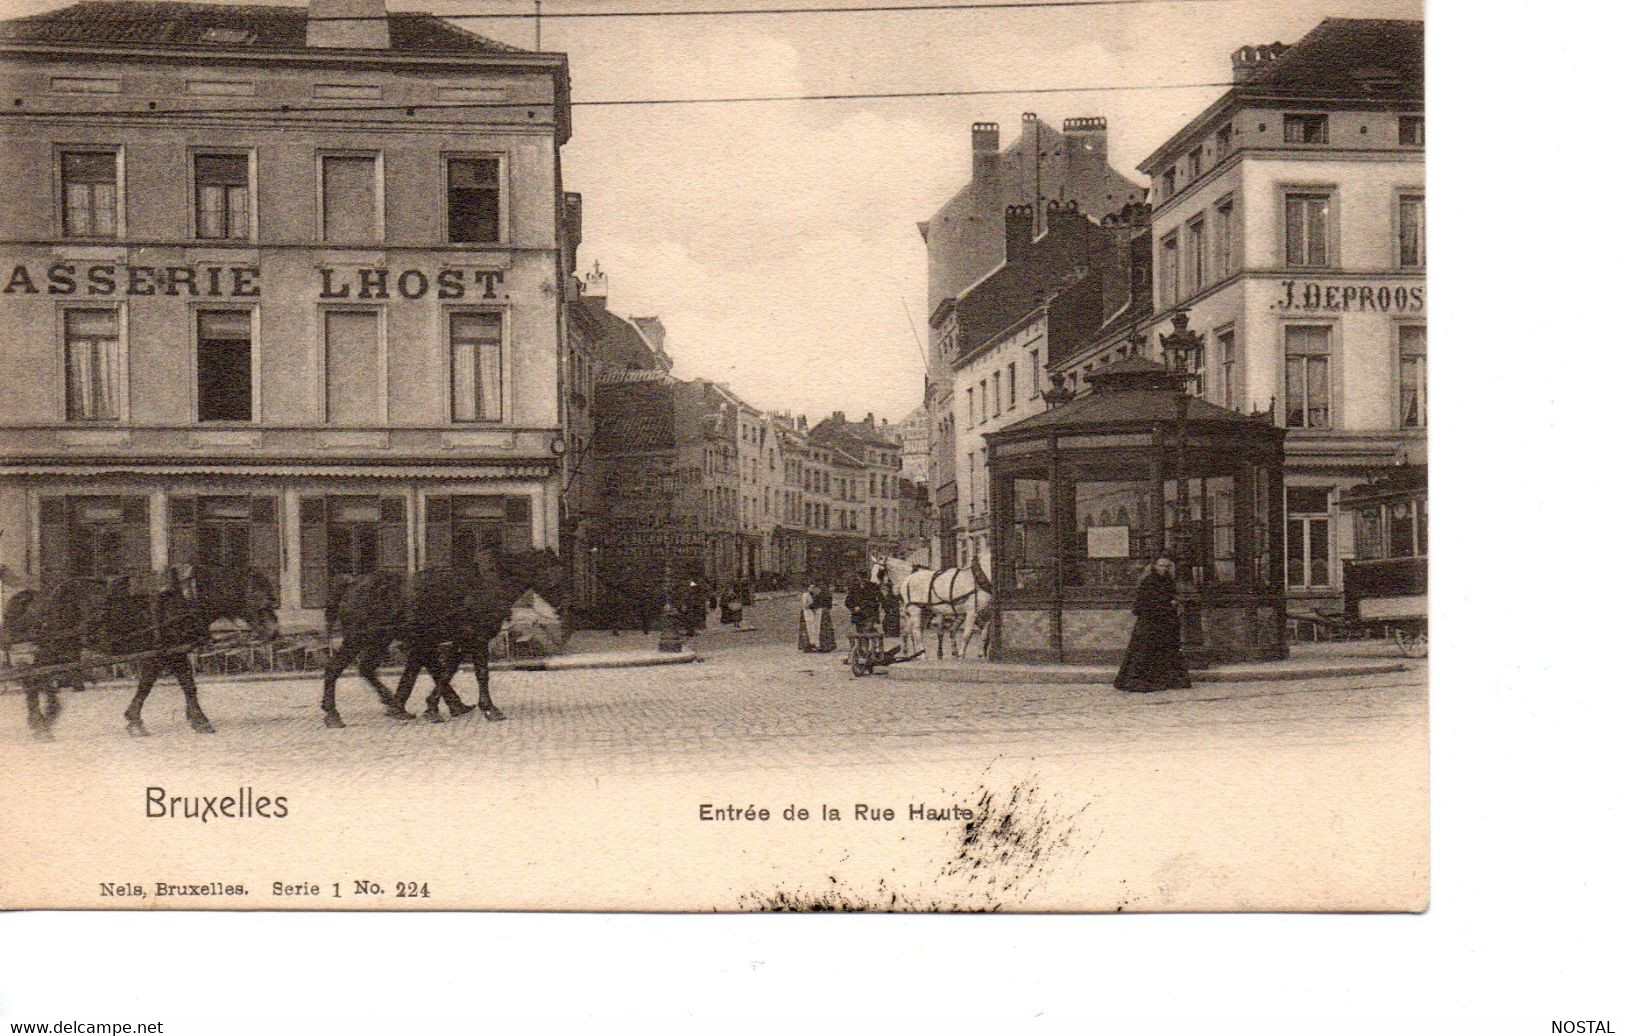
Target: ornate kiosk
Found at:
x=1088, y=493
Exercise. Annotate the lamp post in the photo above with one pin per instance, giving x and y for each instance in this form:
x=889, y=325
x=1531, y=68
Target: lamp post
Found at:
x=1177, y=350
x=671, y=628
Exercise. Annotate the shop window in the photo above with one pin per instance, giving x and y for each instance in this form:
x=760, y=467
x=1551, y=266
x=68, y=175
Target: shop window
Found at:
x=1413, y=376
x=350, y=198
x=476, y=367
x=458, y=528
x=1412, y=231
x=1304, y=129
x=221, y=196
x=93, y=536
x=352, y=366
x=1308, y=218
x=226, y=531
x=225, y=365
x=1308, y=537
x=93, y=360
x=1113, y=532
x=473, y=200
x=348, y=537
x=1411, y=130
x=90, y=194
x=1308, y=377
x=1032, y=534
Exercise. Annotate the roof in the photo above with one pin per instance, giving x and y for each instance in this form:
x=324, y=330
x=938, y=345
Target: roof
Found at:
x=1353, y=60
x=238, y=26
x=635, y=417
x=1133, y=391
x=615, y=340
x=1020, y=288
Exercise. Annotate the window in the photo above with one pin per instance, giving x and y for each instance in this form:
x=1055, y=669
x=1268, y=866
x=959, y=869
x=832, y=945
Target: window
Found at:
x=1413, y=376
x=1169, y=285
x=1307, y=219
x=225, y=365
x=1222, y=140
x=1038, y=374
x=1229, y=391
x=1308, y=377
x=352, y=367
x=91, y=354
x=350, y=207
x=1308, y=537
x=90, y=204
x=1305, y=129
x=1412, y=231
x=473, y=200
x=1196, y=242
x=1168, y=183
x=1195, y=160
x=476, y=367
x=1010, y=371
x=998, y=394
x=1224, y=229
x=983, y=387
x=221, y=196
x=1411, y=130
x=970, y=405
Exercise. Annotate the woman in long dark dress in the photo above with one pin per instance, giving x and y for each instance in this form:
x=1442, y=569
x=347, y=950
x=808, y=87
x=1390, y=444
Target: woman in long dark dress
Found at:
x=1153, y=661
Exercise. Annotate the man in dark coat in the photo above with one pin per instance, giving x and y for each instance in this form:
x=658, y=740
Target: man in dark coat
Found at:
x=863, y=601
x=1153, y=661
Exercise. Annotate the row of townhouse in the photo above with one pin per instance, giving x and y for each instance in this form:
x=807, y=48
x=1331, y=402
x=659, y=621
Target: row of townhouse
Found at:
x=1287, y=223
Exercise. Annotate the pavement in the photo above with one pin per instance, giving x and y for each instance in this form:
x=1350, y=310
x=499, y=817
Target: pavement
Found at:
x=587, y=796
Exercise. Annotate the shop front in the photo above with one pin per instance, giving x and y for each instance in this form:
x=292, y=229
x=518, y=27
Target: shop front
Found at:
x=1089, y=493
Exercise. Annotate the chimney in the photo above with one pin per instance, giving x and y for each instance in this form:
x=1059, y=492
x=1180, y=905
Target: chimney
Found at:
x=838, y=417
x=347, y=24
x=1085, y=135
x=869, y=419
x=1246, y=63
x=1018, y=231
x=984, y=151
x=596, y=287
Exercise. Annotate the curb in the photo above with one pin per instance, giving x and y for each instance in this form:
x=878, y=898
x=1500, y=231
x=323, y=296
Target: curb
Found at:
x=628, y=660
x=1097, y=675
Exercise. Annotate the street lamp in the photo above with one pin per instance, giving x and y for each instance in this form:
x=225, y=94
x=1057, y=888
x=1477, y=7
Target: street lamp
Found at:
x=1177, y=351
x=671, y=630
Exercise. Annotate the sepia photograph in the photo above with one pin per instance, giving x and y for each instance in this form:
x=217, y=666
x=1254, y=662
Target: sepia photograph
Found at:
x=625, y=455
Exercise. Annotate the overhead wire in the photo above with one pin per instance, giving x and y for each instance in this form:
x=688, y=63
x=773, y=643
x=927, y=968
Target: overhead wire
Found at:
x=973, y=5
x=413, y=108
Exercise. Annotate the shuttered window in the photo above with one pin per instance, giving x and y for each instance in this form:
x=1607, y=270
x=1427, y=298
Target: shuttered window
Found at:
x=350, y=198
x=93, y=536
x=348, y=535
x=457, y=528
x=226, y=531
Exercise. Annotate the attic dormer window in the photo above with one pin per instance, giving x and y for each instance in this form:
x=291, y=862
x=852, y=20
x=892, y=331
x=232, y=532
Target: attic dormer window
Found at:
x=217, y=34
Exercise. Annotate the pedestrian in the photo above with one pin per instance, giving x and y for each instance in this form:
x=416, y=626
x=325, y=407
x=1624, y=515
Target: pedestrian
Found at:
x=863, y=601
x=825, y=604
x=817, y=631
x=1153, y=661
x=731, y=609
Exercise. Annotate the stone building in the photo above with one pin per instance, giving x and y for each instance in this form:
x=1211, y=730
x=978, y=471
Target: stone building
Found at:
x=241, y=325
x=1289, y=222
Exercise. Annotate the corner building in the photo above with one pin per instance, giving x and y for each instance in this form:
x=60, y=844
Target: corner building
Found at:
x=281, y=286
x=1289, y=222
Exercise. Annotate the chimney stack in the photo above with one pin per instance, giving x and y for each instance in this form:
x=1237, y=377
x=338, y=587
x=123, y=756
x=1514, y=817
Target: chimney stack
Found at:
x=1085, y=135
x=984, y=150
x=1247, y=62
x=595, y=288
x=347, y=25
x=1018, y=231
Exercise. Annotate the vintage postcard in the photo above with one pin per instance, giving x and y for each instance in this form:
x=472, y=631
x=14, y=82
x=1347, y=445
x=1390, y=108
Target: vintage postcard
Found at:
x=634, y=455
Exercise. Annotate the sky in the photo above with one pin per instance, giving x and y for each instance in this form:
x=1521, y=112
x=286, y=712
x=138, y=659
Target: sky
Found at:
x=777, y=242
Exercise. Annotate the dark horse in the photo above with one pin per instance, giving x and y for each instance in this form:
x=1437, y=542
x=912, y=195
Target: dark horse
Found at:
x=174, y=619
x=463, y=607
x=59, y=621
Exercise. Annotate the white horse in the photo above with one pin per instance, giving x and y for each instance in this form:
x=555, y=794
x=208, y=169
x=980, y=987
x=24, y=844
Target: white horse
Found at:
x=957, y=596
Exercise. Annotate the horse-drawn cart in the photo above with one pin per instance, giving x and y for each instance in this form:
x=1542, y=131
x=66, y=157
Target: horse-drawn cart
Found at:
x=868, y=652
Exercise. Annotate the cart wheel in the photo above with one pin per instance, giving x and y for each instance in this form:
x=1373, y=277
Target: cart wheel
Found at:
x=860, y=664
x=1412, y=643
